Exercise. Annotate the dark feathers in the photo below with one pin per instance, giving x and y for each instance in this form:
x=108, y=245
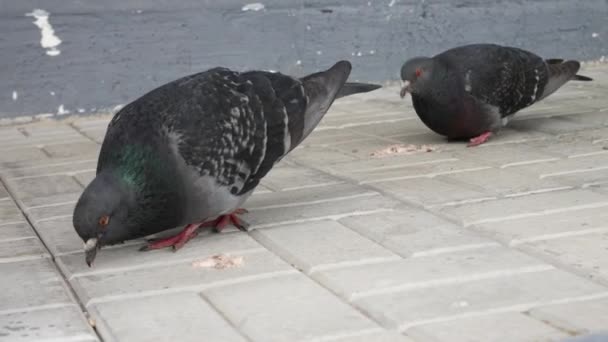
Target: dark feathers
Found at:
x=197, y=147
x=469, y=90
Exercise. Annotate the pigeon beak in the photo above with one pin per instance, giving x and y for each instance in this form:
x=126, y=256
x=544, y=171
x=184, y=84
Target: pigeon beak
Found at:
x=90, y=251
x=405, y=88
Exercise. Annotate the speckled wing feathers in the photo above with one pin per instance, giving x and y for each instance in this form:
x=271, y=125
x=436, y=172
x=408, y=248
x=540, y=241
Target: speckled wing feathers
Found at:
x=228, y=125
x=507, y=78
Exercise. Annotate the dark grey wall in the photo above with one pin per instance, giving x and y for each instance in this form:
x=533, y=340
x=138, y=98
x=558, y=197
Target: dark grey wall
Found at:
x=112, y=51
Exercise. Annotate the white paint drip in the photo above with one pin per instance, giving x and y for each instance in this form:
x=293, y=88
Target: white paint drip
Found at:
x=256, y=6
x=52, y=93
x=298, y=62
x=319, y=52
x=49, y=40
x=595, y=35
x=392, y=3
x=62, y=111
x=15, y=95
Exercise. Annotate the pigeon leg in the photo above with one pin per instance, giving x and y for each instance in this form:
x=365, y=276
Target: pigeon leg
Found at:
x=482, y=138
x=176, y=241
x=223, y=220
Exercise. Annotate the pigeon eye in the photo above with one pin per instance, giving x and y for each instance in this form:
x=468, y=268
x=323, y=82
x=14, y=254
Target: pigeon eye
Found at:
x=104, y=220
x=418, y=72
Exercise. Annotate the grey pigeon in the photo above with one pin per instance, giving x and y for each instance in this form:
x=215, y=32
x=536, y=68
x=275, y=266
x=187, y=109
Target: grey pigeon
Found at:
x=192, y=151
x=471, y=92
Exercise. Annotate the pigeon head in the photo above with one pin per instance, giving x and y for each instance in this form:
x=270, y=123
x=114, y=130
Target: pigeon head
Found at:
x=416, y=74
x=135, y=194
x=101, y=214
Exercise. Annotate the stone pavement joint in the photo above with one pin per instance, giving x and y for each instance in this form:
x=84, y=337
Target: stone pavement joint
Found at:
x=507, y=241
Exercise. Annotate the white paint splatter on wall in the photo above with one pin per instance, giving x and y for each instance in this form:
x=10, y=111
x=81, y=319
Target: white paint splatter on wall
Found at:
x=256, y=6
x=15, y=95
x=62, y=111
x=49, y=40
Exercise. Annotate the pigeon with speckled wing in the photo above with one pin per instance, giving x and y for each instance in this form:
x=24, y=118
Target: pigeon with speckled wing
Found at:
x=470, y=92
x=192, y=151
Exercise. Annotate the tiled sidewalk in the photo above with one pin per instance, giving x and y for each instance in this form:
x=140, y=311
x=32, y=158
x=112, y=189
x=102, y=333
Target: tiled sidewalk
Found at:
x=504, y=242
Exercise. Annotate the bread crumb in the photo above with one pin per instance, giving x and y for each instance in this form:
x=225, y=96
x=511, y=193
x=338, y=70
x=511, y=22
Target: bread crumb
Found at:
x=219, y=261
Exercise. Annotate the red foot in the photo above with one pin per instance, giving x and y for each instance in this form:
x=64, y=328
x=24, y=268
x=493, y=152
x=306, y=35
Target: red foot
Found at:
x=480, y=139
x=222, y=221
x=177, y=241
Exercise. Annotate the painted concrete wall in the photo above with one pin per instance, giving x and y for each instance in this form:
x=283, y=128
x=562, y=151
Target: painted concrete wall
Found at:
x=113, y=51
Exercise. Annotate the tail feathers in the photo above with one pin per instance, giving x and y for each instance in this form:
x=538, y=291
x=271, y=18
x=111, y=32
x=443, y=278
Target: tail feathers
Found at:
x=321, y=88
x=351, y=88
x=582, y=78
x=561, y=72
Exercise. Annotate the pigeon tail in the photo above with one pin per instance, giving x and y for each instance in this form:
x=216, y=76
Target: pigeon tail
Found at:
x=561, y=72
x=351, y=88
x=321, y=89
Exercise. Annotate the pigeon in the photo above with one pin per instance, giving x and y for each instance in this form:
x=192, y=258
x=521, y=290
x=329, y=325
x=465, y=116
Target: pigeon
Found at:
x=191, y=152
x=471, y=91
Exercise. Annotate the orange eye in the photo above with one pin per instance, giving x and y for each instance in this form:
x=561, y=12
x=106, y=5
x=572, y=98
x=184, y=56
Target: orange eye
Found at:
x=418, y=72
x=104, y=220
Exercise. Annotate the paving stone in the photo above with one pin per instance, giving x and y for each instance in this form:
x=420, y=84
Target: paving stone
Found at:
x=84, y=178
x=317, y=155
x=9, y=212
x=579, y=317
x=507, y=155
x=549, y=226
x=397, y=127
x=516, y=292
x=289, y=308
x=365, y=148
x=522, y=206
x=503, y=182
x=589, y=252
x=48, y=129
x=65, y=323
x=322, y=194
x=38, y=284
x=171, y=277
x=59, y=235
x=293, y=178
x=175, y=317
x=366, y=281
x=364, y=117
x=414, y=232
x=9, y=158
x=16, y=230
x=85, y=149
x=313, y=246
x=384, y=336
x=44, y=186
x=391, y=171
x=328, y=209
x=66, y=167
x=567, y=167
x=510, y=326
x=47, y=212
x=52, y=200
x=430, y=192
x=21, y=249
x=328, y=137
x=3, y=193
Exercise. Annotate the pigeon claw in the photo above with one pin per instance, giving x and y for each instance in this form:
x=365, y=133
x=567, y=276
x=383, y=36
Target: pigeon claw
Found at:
x=482, y=138
x=177, y=241
x=224, y=220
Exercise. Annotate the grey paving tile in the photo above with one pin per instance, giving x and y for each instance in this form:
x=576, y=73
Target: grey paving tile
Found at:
x=289, y=308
